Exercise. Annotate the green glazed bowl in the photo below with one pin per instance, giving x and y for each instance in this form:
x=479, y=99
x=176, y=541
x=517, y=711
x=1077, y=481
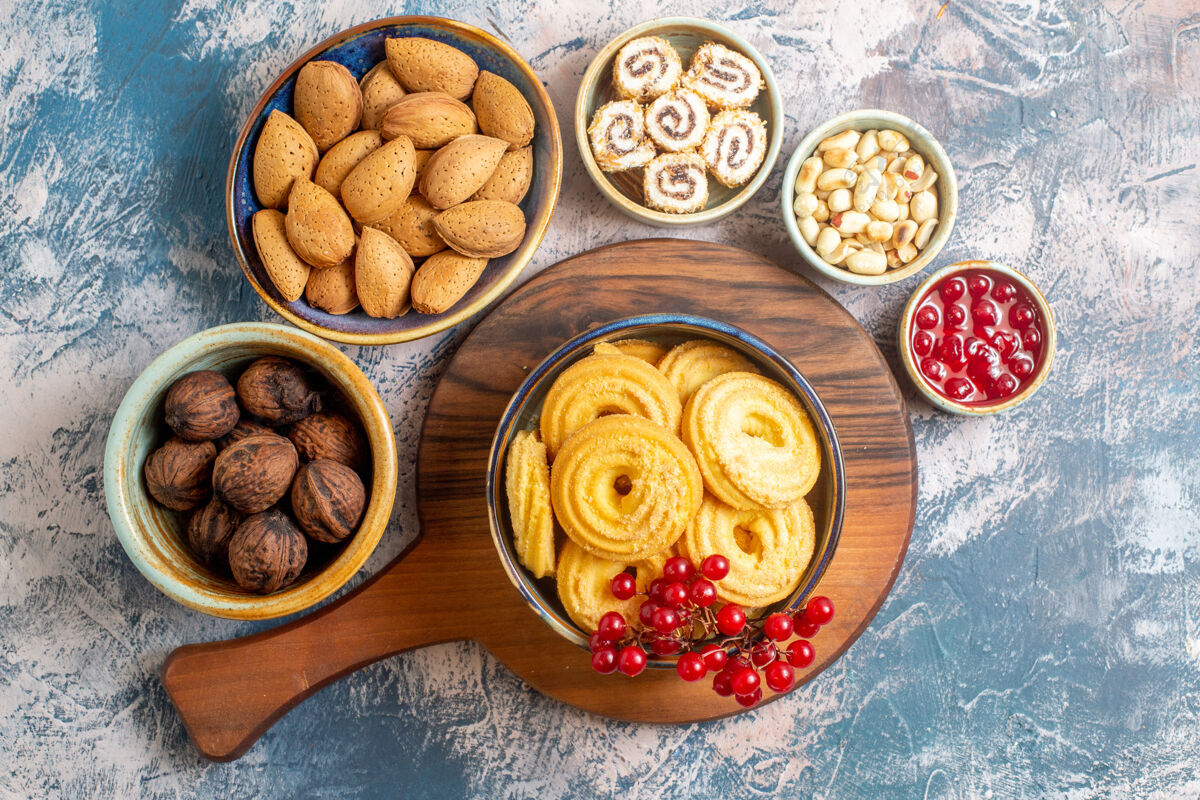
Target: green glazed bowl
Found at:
x=153, y=536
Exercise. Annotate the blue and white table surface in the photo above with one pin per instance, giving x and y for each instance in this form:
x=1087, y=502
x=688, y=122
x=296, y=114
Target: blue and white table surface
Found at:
x=1043, y=637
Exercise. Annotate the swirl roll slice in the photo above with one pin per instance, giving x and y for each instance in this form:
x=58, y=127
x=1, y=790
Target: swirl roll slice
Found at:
x=584, y=580
x=677, y=121
x=624, y=488
x=734, y=146
x=753, y=441
x=723, y=77
x=676, y=183
x=690, y=365
x=768, y=549
x=527, y=484
x=618, y=137
x=646, y=68
x=606, y=384
x=649, y=352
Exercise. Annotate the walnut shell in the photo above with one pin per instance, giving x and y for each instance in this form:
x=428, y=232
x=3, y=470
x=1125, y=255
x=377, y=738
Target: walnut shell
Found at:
x=278, y=391
x=267, y=552
x=328, y=499
x=210, y=529
x=178, y=474
x=244, y=428
x=201, y=405
x=329, y=435
x=255, y=472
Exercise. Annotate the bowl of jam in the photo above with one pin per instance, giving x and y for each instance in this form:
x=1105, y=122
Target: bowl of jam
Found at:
x=977, y=337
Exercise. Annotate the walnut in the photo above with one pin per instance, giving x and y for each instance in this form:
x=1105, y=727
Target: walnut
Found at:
x=267, y=552
x=328, y=500
x=255, y=472
x=210, y=529
x=179, y=473
x=201, y=405
x=278, y=391
x=329, y=435
x=244, y=428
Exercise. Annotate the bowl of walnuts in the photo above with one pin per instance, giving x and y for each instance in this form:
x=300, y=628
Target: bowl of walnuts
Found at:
x=250, y=471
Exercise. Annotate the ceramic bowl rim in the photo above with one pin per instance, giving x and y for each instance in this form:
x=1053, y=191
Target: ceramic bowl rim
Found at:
x=123, y=480
x=535, y=230
x=702, y=326
x=593, y=74
x=1050, y=346
x=934, y=153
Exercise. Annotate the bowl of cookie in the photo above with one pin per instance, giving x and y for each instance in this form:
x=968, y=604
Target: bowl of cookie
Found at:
x=394, y=180
x=678, y=121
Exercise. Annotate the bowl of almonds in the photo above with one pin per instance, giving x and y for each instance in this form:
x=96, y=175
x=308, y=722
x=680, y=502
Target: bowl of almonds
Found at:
x=869, y=197
x=394, y=180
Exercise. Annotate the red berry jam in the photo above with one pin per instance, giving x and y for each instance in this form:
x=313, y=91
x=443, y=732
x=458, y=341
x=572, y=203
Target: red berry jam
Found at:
x=977, y=337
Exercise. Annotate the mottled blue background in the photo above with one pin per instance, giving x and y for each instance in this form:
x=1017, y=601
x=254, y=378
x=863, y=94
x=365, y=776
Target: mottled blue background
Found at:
x=1043, y=638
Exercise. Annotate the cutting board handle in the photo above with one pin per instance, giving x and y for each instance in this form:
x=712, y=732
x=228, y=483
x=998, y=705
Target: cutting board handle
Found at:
x=229, y=693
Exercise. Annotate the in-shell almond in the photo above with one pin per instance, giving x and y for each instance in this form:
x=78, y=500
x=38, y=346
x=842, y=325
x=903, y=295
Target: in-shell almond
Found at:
x=511, y=179
x=284, y=152
x=443, y=279
x=317, y=227
x=430, y=119
x=482, y=228
x=424, y=65
x=332, y=289
x=502, y=110
x=286, y=270
x=327, y=102
x=381, y=182
x=379, y=90
x=421, y=158
x=458, y=170
x=412, y=227
x=344, y=157
x=382, y=275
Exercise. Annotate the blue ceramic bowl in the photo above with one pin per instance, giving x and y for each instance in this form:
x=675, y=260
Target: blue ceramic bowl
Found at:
x=359, y=49
x=827, y=498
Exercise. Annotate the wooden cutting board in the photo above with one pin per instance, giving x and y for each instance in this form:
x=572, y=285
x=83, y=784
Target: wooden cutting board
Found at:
x=450, y=585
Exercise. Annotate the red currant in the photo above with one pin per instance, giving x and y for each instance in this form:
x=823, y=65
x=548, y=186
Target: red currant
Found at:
x=611, y=626
x=596, y=641
x=1031, y=339
x=731, y=619
x=778, y=627
x=677, y=568
x=978, y=285
x=690, y=667
x=959, y=388
x=1006, y=343
x=952, y=289
x=922, y=343
x=801, y=654
x=763, y=653
x=984, y=359
x=956, y=317
x=1021, y=315
x=631, y=660
x=646, y=613
x=623, y=586
x=664, y=620
x=749, y=700
x=984, y=312
x=604, y=660
x=714, y=656
x=722, y=684
x=806, y=629
x=1004, y=291
x=952, y=353
x=927, y=317
x=702, y=593
x=656, y=589
x=1004, y=385
x=745, y=681
x=664, y=645
x=819, y=610
x=737, y=663
x=715, y=567
x=1021, y=367
x=933, y=369
x=675, y=595
x=780, y=677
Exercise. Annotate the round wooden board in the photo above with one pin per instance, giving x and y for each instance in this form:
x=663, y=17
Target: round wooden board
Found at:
x=450, y=585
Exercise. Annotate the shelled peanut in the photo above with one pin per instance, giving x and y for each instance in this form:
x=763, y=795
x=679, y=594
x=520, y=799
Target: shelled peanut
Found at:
x=866, y=201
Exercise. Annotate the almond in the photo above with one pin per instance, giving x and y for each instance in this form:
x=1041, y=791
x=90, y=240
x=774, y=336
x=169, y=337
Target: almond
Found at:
x=379, y=89
x=382, y=275
x=381, y=182
x=424, y=65
x=317, y=227
x=503, y=111
x=430, y=119
x=332, y=289
x=327, y=101
x=412, y=227
x=443, y=279
x=421, y=159
x=511, y=179
x=482, y=228
x=286, y=270
x=458, y=170
x=343, y=157
x=284, y=152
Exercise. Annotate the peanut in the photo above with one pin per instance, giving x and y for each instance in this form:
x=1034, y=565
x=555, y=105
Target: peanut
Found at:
x=923, y=206
x=822, y=212
x=892, y=140
x=926, y=181
x=832, y=179
x=806, y=180
x=885, y=210
x=914, y=168
x=867, y=262
x=845, y=139
x=866, y=189
x=903, y=233
x=827, y=239
x=878, y=231
x=840, y=200
x=840, y=157
x=868, y=146
x=907, y=253
x=805, y=204
x=845, y=248
x=809, y=228
x=850, y=222
x=924, y=233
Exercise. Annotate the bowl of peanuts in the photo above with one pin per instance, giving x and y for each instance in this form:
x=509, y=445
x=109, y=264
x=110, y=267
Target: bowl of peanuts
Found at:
x=869, y=197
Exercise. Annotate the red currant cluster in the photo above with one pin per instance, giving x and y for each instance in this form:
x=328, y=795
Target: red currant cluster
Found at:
x=677, y=616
